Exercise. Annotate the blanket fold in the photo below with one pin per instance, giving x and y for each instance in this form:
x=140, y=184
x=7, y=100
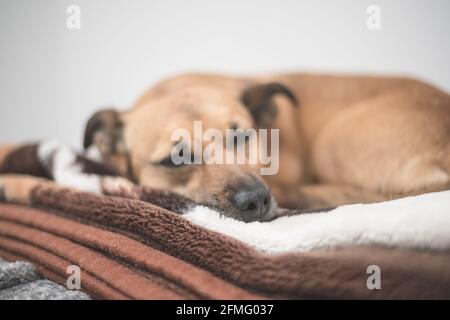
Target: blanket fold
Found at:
x=318, y=274
x=113, y=266
x=135, y=244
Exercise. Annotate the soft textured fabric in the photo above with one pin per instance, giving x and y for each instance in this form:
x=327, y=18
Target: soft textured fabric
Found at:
x=41, y=290
x=16, y=273
x=136, y=243
x=338, y=273
x=419, y=222
x=113, y=266
x=20, y=281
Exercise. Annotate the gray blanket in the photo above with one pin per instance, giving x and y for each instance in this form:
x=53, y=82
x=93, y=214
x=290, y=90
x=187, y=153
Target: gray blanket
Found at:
x=20, y=281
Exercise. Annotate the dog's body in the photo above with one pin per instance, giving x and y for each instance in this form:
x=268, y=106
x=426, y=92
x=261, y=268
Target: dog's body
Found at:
x=349, y=139
x=352, y=139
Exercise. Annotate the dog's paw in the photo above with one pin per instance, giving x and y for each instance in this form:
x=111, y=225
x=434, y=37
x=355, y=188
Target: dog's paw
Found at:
x=19, y=188
x=118, y=186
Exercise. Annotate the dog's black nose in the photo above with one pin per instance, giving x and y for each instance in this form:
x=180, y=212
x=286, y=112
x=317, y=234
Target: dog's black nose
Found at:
x=254, y=202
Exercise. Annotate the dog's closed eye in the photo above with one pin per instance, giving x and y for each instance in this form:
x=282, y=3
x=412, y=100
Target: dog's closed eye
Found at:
x=168, y=162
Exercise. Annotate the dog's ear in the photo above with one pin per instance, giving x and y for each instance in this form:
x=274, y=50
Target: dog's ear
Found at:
x=104, y=130
x=259, y=101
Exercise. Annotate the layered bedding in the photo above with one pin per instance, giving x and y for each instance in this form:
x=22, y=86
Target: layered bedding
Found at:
x=141, y=243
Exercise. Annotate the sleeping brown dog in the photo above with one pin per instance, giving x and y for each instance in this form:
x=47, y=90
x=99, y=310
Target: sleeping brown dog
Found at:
x=343, y=139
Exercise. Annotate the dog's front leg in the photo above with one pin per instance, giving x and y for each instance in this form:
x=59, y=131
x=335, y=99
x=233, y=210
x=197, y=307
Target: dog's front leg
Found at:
x=18, y=188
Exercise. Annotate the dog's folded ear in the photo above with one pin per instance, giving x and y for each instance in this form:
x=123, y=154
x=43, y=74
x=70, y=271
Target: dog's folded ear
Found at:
x=259, y=101
x=104, y=130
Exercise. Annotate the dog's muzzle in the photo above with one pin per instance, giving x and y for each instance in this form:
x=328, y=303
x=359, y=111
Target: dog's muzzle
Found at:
x=254, y=202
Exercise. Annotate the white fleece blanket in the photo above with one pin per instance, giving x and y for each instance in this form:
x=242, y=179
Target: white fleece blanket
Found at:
x=420, y=222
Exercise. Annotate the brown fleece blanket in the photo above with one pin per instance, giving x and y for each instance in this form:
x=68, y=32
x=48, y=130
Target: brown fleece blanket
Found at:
x=141, y=248
x=150, y=252
x=112, y=265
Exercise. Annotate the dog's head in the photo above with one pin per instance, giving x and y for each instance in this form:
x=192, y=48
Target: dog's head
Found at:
x=138, y=143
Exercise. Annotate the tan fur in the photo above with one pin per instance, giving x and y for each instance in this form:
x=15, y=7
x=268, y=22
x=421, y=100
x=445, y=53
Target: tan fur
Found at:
x=18, y=188
x=352, y=139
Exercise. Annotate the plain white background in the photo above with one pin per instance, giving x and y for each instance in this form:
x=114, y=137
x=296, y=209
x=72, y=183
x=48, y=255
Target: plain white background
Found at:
x=52, y=78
